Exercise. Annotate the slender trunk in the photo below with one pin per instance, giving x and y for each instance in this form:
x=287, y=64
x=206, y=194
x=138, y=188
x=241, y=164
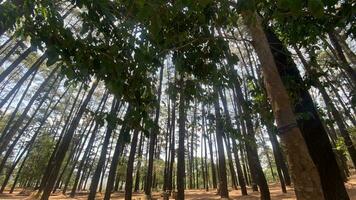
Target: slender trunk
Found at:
x=18, y=174
x=257, y=174
x=91, y=123
x=119, y=147
x=5, y=45
x=204, y=135
x=11, y=169
x=62, y=149
x=6, y=138
x=14, y=112
x=19, y=83
x=336, y=115
x=224, y=193
x=172, y=147
x=23, y=128
x=47, y=172
x=109, y=130
x=213, y=169
x=239, y=169
x=10, y=53
x=181, y=137
x=282, y=169
x=167, y=141
x=230, y=128
x=345, y=47
x=344, y=64
x=14, y=64
x=130, y=163
x=153, y=137
x=138, y=166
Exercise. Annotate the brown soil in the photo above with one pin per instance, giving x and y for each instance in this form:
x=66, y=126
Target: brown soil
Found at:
x=276, y=194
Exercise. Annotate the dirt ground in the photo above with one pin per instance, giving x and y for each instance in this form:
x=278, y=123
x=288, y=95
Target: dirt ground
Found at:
x=275, y=190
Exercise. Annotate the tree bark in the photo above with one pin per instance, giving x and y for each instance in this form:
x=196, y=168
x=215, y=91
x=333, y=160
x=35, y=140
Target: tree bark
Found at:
x=130, y=163
x=6, y=138
x=153, y=137
x=119, y=147
x=138, y=166
x=181, y=137
x=109, y=130
x=19, y=83
x=224, y=193
x=63, y=147
x=305, y=174
x=345, y=65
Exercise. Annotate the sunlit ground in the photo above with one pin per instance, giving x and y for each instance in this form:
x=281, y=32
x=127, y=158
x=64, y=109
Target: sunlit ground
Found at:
x=275, y=190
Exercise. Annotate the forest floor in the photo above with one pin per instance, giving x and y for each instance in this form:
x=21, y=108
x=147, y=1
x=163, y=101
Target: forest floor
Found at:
x=276, y=194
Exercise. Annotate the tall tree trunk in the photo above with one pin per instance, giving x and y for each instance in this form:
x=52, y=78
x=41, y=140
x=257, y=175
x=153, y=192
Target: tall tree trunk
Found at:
x=224, y=193
x=62, y=149
x=8, y=54
x=6, y=45
x=213, y=169
x=238, y=166
x=153, y=137
x=172, y=147
x=239, y=169
x=47, y=172
x=205, y=151
x=109, y=130
x=345, y=47
x=282, y=169
x=14, y=112
x=138, y=166
x=14, y=64
x=88, y=127
x=181, y=137
x=345, y=65
x=257, y=174
x=167, y=141
x=6, y=138
x=19, y=83
x=22, y=130
x=319, y=147
x=305, y=174
x=330, y=106
x=119, y=147
x=130, y=163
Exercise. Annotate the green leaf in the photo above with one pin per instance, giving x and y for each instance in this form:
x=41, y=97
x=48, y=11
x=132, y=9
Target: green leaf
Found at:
x=316, y=7
x=246, y=5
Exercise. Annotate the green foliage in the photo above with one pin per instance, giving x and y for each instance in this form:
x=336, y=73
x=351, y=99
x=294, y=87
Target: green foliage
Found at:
x=340, y=146
x=352, y=132
x=8, y=15
x=36, y=162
